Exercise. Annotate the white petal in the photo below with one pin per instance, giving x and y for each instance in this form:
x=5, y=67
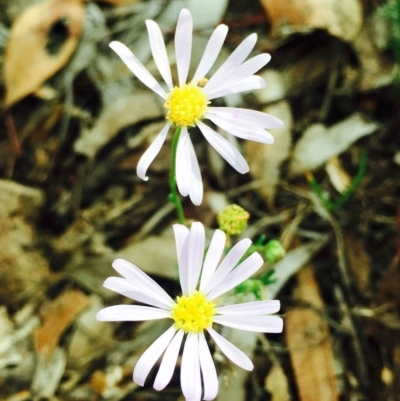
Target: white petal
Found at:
x=234, y=60
x=210, y=378
x=182, y=250
x=230, y=261
x=138, y=277
x=190, y=368
x=137, y=68
x=183, y=164
x=196, y=254
x=260, y=324
x=243, y=117
x=248, y=84
x=159, y=52
x=251, y=308
x=247, y=268
x=128, y=289
x=151, y=153
x=213, y=257
x=250, y=133
x=196, y=189
x=168, y=362
x=232, y=352
x=183, y=44
x=240, y=73
x=131, y=313
x=151, y=355
x=211, y=52
x=224, y=148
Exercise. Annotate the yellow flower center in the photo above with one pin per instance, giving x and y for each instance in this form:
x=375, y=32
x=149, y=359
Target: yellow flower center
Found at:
x=193, y=313
x=186, y=105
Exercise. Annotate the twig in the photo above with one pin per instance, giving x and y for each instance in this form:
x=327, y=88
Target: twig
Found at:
x=15, y=143
x=348, y=323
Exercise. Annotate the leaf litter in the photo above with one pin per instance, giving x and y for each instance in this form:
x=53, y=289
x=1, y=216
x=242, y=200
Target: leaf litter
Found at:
x=75, y=125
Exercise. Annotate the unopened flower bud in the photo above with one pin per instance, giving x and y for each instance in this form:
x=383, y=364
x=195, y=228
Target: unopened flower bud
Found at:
x=274, y=251
x=233, y=219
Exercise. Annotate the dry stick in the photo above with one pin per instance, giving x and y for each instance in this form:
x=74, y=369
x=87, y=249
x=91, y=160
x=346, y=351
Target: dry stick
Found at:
x=343, y=269
x=332, y=79
x=14, y=142
x=360, y=363
x=345, y=278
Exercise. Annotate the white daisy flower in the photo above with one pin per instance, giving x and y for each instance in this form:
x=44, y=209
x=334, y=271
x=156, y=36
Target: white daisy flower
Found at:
x=193, y=313
x=189, y=103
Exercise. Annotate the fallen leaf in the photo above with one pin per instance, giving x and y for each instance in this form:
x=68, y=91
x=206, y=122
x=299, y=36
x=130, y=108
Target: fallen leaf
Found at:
x=42, y=39
x=118, y=2
x=232, y=378
x=359, y=262
x=310, y=346
x=276, y=384
x=341, y=18
x=319, y=144
x=90, y=338
x=49, y=370
x=117, y=115
x=337, y=175
x=6, y=330
x=57, y=317
x=162, y=263
x=264, y=160
x=301, y=72
x=275, y=89
x=375, y=68
x=291, y=264
x=19, y=207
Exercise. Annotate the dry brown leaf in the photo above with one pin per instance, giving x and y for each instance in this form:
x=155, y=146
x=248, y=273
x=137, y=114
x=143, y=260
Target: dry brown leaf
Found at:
x=265, y=161
x=341, y=18
x=337, y=175
x=276, y=384
x=56, y=319
x=309, y=343
x=359, y=262
x=42, y=40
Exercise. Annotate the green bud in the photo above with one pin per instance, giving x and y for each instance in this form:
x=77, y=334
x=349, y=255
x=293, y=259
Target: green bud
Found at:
x=233, y=219
x=274, y=251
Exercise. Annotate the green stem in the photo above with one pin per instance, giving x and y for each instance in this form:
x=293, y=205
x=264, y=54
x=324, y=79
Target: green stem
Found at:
x=174, y=196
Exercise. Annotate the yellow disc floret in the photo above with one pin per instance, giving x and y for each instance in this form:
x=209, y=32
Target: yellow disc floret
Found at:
x=186, y=105
x=193, y=313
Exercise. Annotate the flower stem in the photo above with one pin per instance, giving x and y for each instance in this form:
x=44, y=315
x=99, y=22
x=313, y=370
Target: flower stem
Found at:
x=174, y=196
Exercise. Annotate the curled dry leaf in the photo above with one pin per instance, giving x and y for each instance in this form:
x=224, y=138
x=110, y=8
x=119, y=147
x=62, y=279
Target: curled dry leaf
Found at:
x=341, y=18
x=42, y=40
